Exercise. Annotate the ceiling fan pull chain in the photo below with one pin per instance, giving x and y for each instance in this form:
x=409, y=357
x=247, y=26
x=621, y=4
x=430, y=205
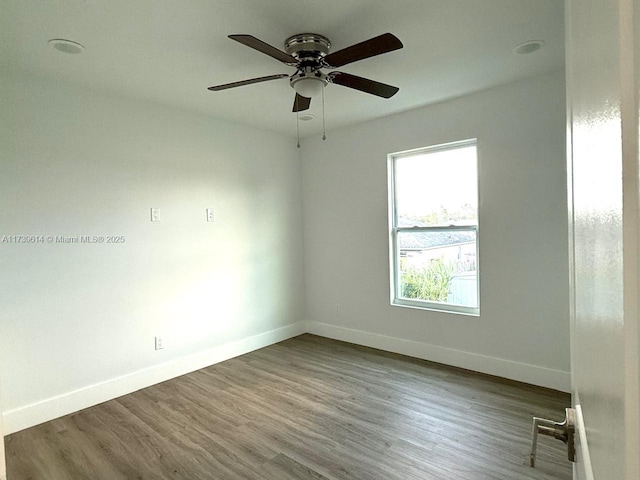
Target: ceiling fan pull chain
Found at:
x=298, y=126
x=324, y=130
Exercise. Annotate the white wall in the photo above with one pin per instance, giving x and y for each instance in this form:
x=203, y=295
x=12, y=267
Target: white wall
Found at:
x=523, y=329
x=77, y=321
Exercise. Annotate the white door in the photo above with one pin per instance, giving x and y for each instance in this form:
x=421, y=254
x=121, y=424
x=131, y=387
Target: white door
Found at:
x=602, y=98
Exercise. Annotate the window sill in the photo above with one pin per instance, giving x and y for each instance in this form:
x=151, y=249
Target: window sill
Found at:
x=436, y=307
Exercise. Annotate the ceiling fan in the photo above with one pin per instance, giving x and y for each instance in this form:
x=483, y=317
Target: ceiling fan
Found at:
x=309, y=54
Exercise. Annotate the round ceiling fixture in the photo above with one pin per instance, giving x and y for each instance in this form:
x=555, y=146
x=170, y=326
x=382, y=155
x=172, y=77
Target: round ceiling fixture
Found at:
x=66, y=46
x=529, y=46
x=306, y=117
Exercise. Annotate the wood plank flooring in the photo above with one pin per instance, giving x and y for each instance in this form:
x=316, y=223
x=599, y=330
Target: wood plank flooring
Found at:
x=307, y=408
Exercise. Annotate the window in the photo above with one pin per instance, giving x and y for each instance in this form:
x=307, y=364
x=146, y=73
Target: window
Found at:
x=433, y=196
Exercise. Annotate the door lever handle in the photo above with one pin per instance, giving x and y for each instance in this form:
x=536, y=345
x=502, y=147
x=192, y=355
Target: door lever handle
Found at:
x=564, y=431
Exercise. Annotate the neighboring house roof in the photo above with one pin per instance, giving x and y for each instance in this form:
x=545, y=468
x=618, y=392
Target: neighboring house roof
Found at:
x=424, y=240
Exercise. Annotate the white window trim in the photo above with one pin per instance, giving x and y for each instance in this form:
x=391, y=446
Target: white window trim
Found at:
x=394, y=279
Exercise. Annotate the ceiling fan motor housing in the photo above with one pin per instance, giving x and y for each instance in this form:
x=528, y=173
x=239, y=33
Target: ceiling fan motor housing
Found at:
x=308, y=46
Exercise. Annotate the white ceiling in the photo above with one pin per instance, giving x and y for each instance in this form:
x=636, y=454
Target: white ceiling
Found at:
x=170, y=51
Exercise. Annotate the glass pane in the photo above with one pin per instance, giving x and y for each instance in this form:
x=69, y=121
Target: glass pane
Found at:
x=439, y=266
x=437, y=188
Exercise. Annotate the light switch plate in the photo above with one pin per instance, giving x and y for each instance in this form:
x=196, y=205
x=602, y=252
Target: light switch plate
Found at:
x=155, y=214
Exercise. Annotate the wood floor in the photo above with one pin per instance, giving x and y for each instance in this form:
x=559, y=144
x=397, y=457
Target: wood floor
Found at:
x=307, y=408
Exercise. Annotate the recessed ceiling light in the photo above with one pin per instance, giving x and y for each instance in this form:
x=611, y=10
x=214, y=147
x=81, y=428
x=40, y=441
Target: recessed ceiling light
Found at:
x=529, y=46
x=66, y=46
x=306, y=117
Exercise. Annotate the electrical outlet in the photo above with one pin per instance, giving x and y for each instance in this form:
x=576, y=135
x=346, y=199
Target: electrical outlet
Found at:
x=209, y=214
x=159, y=342
x=155, y=214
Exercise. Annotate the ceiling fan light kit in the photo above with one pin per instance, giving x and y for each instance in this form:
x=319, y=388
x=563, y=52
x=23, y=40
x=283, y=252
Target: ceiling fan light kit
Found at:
x=309, y=53
x=308, y=84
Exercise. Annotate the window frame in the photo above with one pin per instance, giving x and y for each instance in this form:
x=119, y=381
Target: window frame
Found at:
x=394, y=230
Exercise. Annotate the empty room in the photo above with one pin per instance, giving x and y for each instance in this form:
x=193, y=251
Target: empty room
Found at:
x=319, y=240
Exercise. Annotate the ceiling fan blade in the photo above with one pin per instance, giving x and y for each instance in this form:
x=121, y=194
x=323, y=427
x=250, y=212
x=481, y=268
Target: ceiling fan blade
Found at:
x=301, y=103
x=363, y=84
x=246, y=82
x=265, y=48
x=384, y=43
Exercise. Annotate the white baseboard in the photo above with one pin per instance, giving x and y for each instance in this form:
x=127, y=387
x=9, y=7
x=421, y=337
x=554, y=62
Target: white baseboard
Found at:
x=50, y=408
x=522, y=372
x=54, y=407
